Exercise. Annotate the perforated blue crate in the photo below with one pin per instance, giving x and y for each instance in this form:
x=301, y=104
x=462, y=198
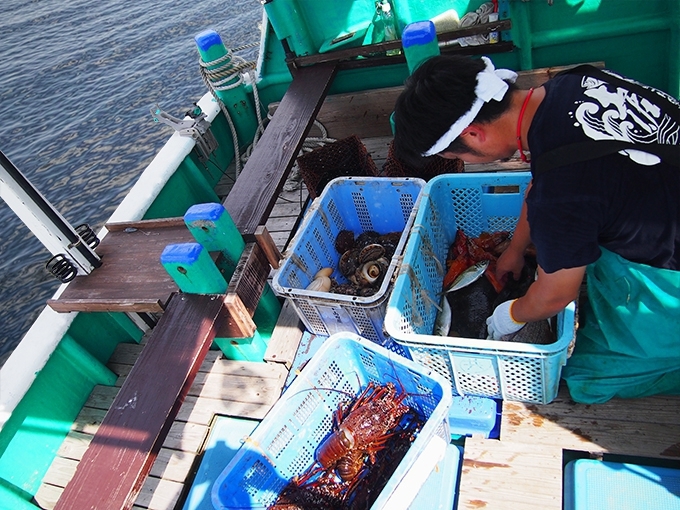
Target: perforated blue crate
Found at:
x=358, y=204
x=284, y=443
x=470, y=415
x=441, y=488
x=509, y=370
x=601, y=485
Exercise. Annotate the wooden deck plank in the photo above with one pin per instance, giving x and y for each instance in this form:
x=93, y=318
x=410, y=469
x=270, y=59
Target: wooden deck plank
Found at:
x=657, y=409
x=102, y=397
x=173, y=465
x=61, y=471
x=140, y=412
x=159, y=494
x=646, y=427
x=127, y=354
x=264, y=174
x=250, y=388
x=185, y=436
x=75, y=445
x=203, y=409
x=492, y=477
x=88, y=420
x=48, y=495
x=524, y=469
x=283, y=347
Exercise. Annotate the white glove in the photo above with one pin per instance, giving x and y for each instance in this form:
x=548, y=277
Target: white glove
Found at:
x=501, y=322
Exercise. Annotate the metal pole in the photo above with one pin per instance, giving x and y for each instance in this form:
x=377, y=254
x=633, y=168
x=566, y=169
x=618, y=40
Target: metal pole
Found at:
x=42, y=218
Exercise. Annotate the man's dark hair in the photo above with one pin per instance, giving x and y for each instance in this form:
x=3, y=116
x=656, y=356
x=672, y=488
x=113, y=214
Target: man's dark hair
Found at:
x=440, y=91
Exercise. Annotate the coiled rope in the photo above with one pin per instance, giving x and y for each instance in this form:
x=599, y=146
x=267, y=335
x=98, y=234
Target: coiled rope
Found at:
x=229, y=72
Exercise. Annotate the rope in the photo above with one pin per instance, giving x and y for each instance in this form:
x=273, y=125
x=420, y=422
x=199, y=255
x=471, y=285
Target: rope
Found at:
x=228, y=72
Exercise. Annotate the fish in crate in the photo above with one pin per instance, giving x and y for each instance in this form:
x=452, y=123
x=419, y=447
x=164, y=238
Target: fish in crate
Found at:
x=369, y=438
x=471, y=290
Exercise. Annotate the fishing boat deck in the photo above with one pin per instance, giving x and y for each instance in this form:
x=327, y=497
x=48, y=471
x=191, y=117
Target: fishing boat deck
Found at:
x=521, y=469
x=221, y=387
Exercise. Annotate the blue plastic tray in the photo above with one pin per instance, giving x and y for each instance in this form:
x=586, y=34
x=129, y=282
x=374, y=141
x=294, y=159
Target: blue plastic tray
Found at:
x=472, y=415
x=601, y=485
x=441, y=488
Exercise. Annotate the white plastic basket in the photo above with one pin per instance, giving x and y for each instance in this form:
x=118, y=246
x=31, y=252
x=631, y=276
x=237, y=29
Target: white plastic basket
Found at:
x=508, y=370
x=284, y=443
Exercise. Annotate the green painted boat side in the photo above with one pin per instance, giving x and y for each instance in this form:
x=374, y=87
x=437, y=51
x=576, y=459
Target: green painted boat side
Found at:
x=31, y=437
x=638, y=39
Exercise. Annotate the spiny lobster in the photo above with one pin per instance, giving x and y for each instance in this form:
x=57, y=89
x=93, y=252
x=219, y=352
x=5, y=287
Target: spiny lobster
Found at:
x=361, y=429
x=372, y=429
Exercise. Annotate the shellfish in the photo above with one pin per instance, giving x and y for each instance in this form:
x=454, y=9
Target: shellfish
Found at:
x=364, y=262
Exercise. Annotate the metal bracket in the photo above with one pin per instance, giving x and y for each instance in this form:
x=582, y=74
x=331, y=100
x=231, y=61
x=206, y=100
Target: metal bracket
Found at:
x=196, y=127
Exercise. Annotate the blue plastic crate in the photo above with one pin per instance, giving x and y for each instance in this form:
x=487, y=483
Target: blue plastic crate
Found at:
x=284, y=443
x=601, y=485
x=358, y=204
x=441, y=488
x=508, y=370
x=470, y=415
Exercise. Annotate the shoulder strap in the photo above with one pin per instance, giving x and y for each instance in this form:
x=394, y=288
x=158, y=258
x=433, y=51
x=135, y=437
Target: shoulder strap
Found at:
x=591, y=149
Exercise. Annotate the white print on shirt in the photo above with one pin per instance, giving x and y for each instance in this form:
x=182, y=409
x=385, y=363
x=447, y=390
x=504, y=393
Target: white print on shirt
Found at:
x=624, y=116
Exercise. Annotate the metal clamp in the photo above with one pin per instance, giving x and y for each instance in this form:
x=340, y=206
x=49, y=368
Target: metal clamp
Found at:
x=196, y=127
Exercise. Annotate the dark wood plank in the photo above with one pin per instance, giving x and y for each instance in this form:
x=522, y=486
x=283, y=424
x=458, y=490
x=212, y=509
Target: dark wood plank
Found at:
x=366, y=114
x=244, y=292
x=147, y=225
x=372, y=49
x=254, y=193
x=114, y=467
x=131, y=277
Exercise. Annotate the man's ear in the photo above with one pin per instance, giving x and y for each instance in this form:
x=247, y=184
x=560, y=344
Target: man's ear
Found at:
x=474, y=132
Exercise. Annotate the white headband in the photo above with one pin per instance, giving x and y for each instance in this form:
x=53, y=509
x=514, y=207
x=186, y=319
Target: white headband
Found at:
x=490, y=85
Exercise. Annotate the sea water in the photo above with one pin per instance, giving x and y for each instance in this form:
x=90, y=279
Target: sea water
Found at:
x=77, y=80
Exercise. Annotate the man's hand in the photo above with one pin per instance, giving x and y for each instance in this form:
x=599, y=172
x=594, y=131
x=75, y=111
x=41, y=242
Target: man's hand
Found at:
x=502, y=323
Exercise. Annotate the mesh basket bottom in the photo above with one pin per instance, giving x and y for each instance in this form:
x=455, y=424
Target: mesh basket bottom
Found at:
x=346, y=157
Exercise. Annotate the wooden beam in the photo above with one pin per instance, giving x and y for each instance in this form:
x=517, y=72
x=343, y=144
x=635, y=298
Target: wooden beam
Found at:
x=266, y=243
x=254, y=193
x=250, y=276
x=372, y=49
x=367, y=113
x=121, y=454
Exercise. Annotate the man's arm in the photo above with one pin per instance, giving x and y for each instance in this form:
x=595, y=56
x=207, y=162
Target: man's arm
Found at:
x=549, y=294
x=512, y=259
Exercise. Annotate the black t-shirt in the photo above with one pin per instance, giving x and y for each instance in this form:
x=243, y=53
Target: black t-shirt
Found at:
x=629, y=207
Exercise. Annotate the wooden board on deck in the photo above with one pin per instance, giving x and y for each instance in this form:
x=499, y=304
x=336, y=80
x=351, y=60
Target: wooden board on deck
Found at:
x=131, y=434
x=221, y=386
x=131, y=277
x=254, y=194
x=367, y=113
x=284, y=345
x=524, y=469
